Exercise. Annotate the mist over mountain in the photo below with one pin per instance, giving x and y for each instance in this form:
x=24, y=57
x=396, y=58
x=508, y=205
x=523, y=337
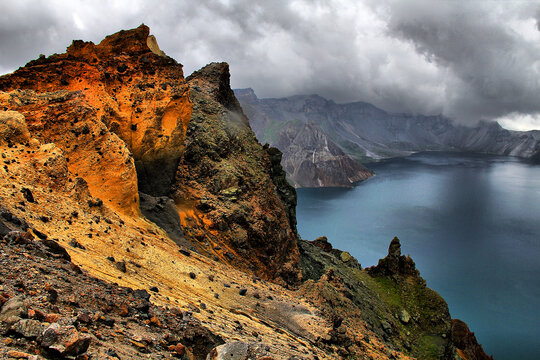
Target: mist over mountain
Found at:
x=366, y=133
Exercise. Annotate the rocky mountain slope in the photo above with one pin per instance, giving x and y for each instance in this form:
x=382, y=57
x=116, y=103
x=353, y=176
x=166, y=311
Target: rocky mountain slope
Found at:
x=128, y=121
x=140, y=217
x=365, y=133
x=310, y=157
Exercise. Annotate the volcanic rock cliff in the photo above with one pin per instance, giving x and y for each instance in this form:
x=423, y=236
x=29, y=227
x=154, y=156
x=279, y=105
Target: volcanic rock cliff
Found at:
x=140, y=218
x=127, y=116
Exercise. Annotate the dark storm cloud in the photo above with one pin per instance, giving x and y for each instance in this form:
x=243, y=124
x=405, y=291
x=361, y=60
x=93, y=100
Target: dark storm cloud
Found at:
x=493, y=67
x=468, y=60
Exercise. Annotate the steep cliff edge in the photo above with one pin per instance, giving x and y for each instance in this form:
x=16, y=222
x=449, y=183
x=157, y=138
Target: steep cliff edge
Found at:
x=129, y=104
x=310, y=157
x=224, y=189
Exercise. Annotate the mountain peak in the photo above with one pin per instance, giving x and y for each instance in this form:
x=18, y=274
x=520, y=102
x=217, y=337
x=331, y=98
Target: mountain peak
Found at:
x=215, y=78
x=133, y=41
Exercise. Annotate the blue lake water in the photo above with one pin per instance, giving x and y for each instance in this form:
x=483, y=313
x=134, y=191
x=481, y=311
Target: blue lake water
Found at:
x=470, y=222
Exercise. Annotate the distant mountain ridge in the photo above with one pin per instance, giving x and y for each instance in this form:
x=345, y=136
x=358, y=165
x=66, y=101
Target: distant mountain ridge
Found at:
x=365, y=133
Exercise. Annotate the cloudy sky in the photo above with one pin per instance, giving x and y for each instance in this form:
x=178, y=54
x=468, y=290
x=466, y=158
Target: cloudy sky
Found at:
x=469, y=60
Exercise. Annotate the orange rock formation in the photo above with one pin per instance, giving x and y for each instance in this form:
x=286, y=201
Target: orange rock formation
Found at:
x=121, y=119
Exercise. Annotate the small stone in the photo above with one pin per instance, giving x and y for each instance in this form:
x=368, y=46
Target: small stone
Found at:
x=192, y=275
x=242, y=292
x=39, y=234
x=154, y=289
x=154, y=320
x=52, y=318
x=238, y=350
x=50, y=335
x=95, y=202
x=124, y=310
x=404, y=316
x=76, y=344
x=28, y=328
x=74, y=243
x=121, y=266
x=386, y=327
x=72, y=300
x=112, y=353
x=179, y=349
x=84, y=318
x=27, y=193
x=143, y=294
x=53, y=296
x=346, y=256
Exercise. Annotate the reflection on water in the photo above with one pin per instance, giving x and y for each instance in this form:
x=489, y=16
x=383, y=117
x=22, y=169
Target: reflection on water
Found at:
x=470, y=222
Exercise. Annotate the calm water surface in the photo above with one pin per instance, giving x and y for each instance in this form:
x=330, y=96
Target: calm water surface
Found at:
x=470, y=222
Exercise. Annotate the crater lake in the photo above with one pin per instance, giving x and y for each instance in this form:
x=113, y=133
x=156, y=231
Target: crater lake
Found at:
x=470, y=222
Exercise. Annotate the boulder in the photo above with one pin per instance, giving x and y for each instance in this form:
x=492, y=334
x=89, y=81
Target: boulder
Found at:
x=13, y=310
x=28, y=328
x=65, y=340
x=404, y=317
x=238, y=351
x=13, y=128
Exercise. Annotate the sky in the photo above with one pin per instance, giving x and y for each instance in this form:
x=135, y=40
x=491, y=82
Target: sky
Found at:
x=469, y=60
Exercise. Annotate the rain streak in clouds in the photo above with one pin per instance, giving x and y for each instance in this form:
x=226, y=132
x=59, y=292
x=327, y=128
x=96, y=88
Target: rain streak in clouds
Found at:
x=476, y=60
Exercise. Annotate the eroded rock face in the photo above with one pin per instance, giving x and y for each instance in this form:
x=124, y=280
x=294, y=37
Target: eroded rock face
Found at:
x=125, y=120
x=286, y=191
x=136, y=92
x=226, y=197
x=394, y=263
x=312, y=159
x=466, y=343
x=65, y=121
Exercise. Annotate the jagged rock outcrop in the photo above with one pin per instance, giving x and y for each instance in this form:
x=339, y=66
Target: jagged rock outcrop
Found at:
x=367, y=133
x=138, y=95
x=127, y=121
x=466, y=343
x=286, y=191
x=310, y=157
x=418, y=309
x=223, y=188
x=394, y=264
